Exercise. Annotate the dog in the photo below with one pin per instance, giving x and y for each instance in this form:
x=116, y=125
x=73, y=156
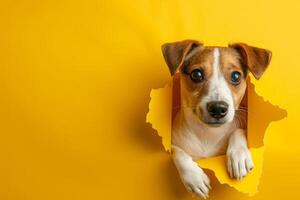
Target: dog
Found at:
x=212, y=120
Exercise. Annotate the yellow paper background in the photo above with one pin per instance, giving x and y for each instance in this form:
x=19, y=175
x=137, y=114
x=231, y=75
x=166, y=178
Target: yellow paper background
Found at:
x=75, y=78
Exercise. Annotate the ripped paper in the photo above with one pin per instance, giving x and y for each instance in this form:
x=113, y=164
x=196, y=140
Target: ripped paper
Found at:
x=164, y=105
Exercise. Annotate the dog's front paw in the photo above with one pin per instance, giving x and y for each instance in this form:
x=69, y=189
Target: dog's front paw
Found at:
x=196, y=181
x=239, y=162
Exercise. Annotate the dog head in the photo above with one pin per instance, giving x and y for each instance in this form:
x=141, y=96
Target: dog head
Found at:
x=213, y=79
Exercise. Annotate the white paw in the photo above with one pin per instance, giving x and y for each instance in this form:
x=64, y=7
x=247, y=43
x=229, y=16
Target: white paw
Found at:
x=239, y=162
x=196, y=181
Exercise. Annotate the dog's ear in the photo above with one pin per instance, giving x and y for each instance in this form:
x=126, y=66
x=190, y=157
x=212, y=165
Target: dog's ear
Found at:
x=176, y=52
x=256, y=59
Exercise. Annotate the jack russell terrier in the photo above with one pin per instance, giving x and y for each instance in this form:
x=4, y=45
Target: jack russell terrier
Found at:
x=212, y=120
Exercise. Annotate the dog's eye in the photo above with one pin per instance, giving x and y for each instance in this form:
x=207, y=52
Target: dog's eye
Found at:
x=236, y=77
x=197, y=75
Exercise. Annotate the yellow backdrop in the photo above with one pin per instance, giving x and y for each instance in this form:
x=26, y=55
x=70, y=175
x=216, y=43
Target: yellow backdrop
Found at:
x=75, y=79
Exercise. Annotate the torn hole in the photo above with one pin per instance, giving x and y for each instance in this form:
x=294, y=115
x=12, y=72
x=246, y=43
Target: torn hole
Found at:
x=165, y=103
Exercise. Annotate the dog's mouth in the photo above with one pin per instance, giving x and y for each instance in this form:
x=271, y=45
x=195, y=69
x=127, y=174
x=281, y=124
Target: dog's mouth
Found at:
x=216, y=123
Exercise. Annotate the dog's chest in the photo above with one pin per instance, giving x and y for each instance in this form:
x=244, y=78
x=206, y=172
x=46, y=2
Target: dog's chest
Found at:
x=200, y=141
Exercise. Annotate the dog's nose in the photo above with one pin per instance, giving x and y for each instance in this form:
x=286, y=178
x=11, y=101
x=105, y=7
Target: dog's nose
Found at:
x=217, y=109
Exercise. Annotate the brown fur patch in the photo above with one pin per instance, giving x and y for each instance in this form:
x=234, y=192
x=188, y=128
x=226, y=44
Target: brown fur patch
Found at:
x=203, y=59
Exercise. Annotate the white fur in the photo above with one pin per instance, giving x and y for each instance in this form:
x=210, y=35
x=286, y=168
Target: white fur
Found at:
x=218, y=89
x=239, y=161
x=192, y=176
x=190, y=136
x=199, y=140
